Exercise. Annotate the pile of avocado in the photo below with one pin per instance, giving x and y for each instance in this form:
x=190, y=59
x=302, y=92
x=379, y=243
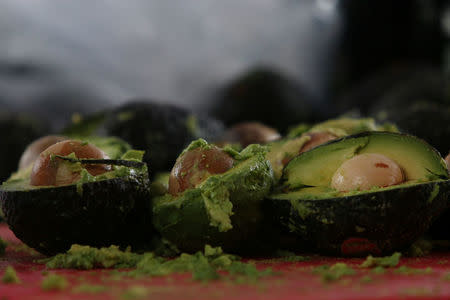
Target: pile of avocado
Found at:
x=269, y=196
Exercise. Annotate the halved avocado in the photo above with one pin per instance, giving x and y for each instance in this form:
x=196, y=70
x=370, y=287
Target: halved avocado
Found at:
x=111, y=208
x=224, y=210
x=377, y=221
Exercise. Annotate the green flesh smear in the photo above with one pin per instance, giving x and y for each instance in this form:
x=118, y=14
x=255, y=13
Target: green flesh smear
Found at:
x=204, y=266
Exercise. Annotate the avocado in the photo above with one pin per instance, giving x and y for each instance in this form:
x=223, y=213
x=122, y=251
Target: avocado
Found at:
x=263, y=94
x=162, y=130
x=110, y=208
x=224, y=210
x=356, y=222
x=17, y=130
x=300, y=136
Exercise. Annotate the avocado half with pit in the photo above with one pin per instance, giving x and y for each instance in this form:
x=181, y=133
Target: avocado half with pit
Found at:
x=224, y=210
x=111, y=208
x=356, y=222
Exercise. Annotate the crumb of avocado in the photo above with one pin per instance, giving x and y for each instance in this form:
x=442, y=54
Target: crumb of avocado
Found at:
x=446, y=276
x=387, y=261
x=135, y=292
x=335, y=272
x=379, y=270
x=199, y=143
x=289, y=256
x=90, y=288
x=366, y=279
x=86, y=257
x=10, y=276
x=420, y=248
x=134, y=155
x=54, y=282
x=405, y=270
x=3, y=245
x=192, y=125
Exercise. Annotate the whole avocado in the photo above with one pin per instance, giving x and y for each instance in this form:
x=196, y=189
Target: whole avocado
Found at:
x=264, y=95
x=162, y=130
x=17, y=130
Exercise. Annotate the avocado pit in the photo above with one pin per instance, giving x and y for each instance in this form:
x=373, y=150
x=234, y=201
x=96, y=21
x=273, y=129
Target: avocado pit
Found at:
x=49, y=170
x=366, y=171
x=316, y=139
x=33, y=150
x=195, y=166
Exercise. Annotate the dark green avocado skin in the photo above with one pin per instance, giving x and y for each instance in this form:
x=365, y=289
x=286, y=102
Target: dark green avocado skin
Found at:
x=376, y=223
x=110, y=212
x=162, y=130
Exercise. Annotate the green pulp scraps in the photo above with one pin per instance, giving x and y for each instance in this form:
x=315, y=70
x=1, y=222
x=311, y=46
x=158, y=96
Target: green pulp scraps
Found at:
x=10, y=276
x=385, y=262
x=203, y=266
x=54, y=282
x=335, y=272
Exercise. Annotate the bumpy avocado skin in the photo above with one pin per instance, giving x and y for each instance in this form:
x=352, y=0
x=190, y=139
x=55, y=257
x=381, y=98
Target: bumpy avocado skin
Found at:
x=115, y=211
x=374, y=223
x=162, y=130
x=186, y=222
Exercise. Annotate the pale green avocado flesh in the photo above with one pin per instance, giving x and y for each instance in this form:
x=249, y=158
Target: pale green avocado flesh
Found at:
x=313, y=170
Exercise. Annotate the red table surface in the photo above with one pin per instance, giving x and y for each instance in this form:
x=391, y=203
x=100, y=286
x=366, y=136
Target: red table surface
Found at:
x=294, y=281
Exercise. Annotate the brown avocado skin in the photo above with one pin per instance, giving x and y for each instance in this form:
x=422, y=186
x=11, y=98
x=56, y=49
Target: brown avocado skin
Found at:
x=110, y=212
x=374, y=223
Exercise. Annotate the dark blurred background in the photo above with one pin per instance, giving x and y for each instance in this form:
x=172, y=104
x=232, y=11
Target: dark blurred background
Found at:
x=298, y=60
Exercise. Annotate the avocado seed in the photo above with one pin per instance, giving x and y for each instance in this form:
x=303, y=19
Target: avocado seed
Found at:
x=366, y=171
x=317, y=138
x=35, y=148
x=50, y=170
x=195, y=166
x=447, y=161
x=247, y=133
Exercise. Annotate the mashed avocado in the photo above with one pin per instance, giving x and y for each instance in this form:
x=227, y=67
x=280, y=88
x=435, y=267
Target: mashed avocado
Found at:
x=10, y=276
x=385, y=262
x=54, y=282
x=203, y=265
